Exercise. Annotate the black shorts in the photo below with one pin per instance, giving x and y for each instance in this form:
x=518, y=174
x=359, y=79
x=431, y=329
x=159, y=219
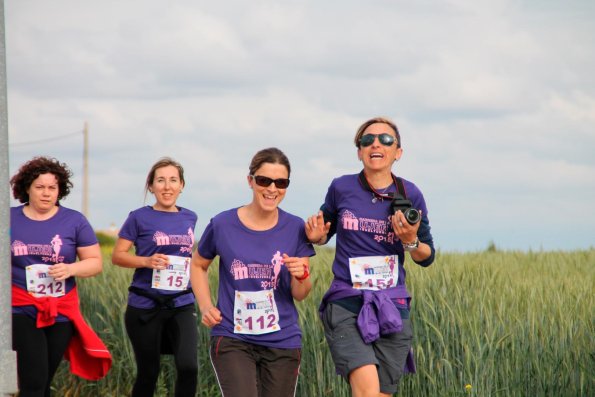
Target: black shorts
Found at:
x=388, y=353
x=249, y=370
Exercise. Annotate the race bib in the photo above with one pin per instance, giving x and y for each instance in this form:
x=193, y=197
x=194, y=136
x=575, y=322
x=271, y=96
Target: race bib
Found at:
x=40, y=283
x=374, y=272
x=255, y=312
x=175, y=277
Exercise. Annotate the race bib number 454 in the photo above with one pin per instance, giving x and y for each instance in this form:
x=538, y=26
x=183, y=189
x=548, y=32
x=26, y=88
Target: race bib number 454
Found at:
x=374, y=272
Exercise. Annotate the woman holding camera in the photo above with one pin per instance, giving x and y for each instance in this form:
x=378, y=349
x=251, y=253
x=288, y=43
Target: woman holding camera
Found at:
x=377, y=217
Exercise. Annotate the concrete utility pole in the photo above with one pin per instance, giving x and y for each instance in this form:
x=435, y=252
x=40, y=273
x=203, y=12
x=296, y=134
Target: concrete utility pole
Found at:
x=86, y=170
x=8, y=359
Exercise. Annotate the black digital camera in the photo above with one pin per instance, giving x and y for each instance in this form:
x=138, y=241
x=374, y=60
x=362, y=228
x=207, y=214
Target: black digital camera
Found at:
x=411, y=214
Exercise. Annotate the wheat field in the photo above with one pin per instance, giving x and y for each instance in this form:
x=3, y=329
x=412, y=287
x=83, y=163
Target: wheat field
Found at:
x=491, y=323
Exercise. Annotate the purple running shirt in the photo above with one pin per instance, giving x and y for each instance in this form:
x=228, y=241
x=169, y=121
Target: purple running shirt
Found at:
x=249, y=261
x=50, y=241
x=363, y=225
x=168, y=233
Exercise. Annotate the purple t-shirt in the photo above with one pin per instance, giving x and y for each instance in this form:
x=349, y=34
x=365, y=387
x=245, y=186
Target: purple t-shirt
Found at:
x=249, y=261
x=168, y=233
x=363, y=226
x=50, y=241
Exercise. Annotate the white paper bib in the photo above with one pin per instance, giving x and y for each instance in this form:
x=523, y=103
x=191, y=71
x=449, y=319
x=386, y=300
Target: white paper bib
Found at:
x=374, y=272
x=255, y=312
x=175, y=277
x=40, y=283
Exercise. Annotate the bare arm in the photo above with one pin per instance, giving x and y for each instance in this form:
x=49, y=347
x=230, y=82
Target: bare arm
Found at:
x=121, y=256
x=210, y=315
x=298, y=268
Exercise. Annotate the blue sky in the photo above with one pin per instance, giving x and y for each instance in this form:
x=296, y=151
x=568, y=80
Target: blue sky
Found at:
x=495, y=101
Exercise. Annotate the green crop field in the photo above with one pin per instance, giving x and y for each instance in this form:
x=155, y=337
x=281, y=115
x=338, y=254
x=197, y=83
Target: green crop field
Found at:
x=491, y=323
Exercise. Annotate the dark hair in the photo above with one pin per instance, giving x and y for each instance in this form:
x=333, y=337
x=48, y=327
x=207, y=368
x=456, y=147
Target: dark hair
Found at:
x=163, y=162
x=381, y=120
x=35, y=167
x=270, y=155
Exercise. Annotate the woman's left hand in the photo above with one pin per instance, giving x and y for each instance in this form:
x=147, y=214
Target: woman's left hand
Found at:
x=295, y=266
x=407, y=233
x=60, y=271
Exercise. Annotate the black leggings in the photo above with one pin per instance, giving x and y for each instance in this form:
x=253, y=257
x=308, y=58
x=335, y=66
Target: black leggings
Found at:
x=180, y=328
x=39, y=352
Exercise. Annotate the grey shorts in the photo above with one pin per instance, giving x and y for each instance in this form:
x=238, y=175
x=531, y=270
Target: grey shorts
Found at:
x=349, y=351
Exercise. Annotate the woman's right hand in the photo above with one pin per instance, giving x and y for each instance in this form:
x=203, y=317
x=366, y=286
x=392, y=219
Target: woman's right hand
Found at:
x=156, y=261
x=316, y=229
x=211, y=316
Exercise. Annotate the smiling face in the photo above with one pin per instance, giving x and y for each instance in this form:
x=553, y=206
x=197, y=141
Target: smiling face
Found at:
x=377, y=156
x=166, y=187
x=268, y=198
x=43, y=193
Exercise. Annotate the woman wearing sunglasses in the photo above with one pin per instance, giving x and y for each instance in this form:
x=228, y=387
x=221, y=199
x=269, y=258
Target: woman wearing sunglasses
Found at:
x=365, y=312
x=263, y=267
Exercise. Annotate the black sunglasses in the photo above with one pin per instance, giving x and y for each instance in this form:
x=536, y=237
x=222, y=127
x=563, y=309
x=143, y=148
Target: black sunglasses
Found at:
x=264, y=181
x=385, y=139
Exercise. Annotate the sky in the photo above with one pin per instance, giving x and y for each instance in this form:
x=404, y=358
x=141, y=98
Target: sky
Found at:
x=495, y=102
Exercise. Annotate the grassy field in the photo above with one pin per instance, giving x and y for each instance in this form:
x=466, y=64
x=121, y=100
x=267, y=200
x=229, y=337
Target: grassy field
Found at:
x=486, y=324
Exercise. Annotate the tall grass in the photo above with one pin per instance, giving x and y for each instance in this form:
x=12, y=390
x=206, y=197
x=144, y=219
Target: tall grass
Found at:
x=505, y=323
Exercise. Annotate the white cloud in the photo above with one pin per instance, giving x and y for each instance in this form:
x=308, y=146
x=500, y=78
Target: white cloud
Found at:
x=495, y=101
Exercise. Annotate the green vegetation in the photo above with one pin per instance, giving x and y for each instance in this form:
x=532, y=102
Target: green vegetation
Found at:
x=486, y=324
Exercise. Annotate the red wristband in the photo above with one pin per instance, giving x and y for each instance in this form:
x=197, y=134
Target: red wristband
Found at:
x=305, y=275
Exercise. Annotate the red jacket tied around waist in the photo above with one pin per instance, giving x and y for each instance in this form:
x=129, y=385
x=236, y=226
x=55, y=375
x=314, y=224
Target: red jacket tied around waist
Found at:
x=86, y=352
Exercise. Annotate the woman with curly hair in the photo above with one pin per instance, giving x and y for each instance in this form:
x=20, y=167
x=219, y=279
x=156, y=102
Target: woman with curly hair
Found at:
x=46, y=240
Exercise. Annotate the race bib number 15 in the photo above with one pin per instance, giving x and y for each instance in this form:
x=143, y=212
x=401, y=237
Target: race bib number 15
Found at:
x=175, y=277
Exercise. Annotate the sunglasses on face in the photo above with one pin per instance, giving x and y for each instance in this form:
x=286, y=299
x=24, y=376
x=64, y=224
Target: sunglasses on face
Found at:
x=264, y=181
x=385, y=139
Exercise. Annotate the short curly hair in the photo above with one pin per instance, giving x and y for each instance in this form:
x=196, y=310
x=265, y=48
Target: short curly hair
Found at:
x=31, y=170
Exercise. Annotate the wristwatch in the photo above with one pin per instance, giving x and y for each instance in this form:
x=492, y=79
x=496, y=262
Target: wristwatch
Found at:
x=411, y=246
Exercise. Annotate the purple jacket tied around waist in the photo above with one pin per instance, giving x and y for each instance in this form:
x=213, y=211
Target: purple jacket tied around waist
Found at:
x=378, y=315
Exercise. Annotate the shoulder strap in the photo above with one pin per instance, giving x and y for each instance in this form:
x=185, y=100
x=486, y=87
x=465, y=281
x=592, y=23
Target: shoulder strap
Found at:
x=397, y=181
x=400, y=186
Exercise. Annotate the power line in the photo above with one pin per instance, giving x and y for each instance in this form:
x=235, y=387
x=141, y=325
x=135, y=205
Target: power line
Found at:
x=46, y=139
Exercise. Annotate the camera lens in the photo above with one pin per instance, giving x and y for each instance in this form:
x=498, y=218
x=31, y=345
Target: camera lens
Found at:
x=412, y=215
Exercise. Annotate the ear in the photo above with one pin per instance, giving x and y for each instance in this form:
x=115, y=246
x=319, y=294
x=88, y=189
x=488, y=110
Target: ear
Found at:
x=359, y=154
x=249, y=179
x=399, y=154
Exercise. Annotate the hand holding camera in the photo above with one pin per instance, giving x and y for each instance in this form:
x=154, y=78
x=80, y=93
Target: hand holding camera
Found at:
x=412, y=215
